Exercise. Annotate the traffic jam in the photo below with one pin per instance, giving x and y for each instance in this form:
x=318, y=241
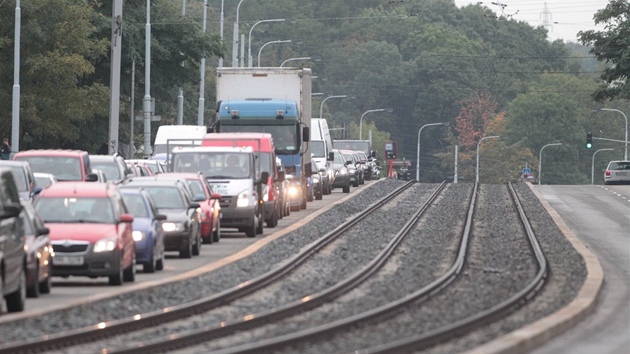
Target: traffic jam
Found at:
x=81, y=215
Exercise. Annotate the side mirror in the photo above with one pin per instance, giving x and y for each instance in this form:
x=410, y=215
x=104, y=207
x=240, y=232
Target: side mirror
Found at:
x=331, y=156
x=280, y=177
x=373, y=153
x=91, y=177
x=12, y=210
x=193, y=205
x=323, y=170
x=216, y=196
x=159, y=217
x=306, y=134
x=348, y=163
x=43, y=231
x=264, y=177
x=126, y=218
x=36, y=191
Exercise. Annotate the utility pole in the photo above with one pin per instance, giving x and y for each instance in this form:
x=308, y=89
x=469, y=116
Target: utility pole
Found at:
x=146, y=102
x=114, y=86
x=15, y=115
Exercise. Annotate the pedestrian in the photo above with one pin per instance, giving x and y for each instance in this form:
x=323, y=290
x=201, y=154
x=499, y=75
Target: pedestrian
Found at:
x=5, y=150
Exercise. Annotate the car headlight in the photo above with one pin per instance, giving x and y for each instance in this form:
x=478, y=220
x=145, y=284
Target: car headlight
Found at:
x=138, y=235
x=173, y=226
x=265, y=193
x=105, y=245
x=242, y=200
x=294, y=191
x=316, y=179
x=353, y=171
x=343, y=172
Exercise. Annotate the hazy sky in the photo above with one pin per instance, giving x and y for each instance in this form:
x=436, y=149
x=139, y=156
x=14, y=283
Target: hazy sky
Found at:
x=566, y=17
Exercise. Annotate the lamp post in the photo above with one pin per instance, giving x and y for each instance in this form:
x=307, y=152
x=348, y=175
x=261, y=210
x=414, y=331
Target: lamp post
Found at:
x=294, y=59
x=249, y=45
x=202, y=84
x=593, y=164
x=15, y=109
x=478, y=143
x=266, y=44
x=363, y=115
x=146, y=102
x=625, y=154
x=221, y=32
x=540, y=160
x=418, y=156
x=235, y=37
x=321, y=106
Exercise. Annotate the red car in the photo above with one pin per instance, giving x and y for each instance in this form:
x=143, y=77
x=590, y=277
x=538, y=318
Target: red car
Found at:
x=210, y=208
x=65, y=165
x=90, y=230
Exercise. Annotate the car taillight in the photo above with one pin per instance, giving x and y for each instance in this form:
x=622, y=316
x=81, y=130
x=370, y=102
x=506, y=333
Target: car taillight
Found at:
x=270, y=189
x=607, y=173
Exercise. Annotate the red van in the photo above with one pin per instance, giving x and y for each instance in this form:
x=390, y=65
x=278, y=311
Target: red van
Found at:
x=65, y=165
x=263, y=146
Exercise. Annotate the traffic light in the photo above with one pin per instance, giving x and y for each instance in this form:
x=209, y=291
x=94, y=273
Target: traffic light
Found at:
x=589, y=140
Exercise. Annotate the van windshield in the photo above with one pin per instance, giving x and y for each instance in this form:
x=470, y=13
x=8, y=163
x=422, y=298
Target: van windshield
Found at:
x=234, y=165
x=317, y=149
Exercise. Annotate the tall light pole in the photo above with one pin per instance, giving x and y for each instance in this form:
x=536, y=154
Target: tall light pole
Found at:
x=294, y=59
x=221, y=32
x=363, y=115
x=114, y=86
x=478, y=143
x=540, y=160
x=266, y=44
x=235, y=37
x=146, y=102
x=593, y=164
x=418, y=155
x=202, y=85
x=625, y=154
x=180, y=91
x=249, y=45
x=321, y=106
x=15, y=112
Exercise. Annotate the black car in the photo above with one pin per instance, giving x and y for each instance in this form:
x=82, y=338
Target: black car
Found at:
x=341, y=175
x=182, y=230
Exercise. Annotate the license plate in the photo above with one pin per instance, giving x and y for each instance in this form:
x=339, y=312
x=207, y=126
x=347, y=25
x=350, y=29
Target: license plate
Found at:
x=68, y=260
x=621, y=173
x=219, y=190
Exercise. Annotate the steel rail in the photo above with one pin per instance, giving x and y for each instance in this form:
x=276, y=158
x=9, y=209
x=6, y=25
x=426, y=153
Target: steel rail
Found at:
x=379, y=312
x=493, y=313
x=290, y=309
x=173, y=313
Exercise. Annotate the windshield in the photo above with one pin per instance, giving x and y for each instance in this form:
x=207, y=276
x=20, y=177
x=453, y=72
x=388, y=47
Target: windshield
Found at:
x=234, y=165
x=339, y=159
x=135, y=205
x=64, y=168
x=196, y=187
x=284, y=137
x=352, y=145
x=165, y=197
x=317, y=149
x=110, y=169
x=75, y=210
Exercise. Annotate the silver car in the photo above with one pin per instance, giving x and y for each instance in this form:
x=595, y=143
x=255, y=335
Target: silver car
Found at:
x=617, y=172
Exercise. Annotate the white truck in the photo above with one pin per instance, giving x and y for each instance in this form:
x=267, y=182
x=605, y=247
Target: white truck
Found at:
x=270, y=100
x=171, y=132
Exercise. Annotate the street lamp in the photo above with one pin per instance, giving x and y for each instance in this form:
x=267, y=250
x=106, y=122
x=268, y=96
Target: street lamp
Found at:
x=202, y=86
x=321, y=106
x=294, y=59
x=249, y=46
x=593, y=164
x=272, y=42
x=363, y=115
x=15, y=109
x=146, y=102
x=478, y=143
x=625, y=154
x=540, y=160
x=235, y=37
x=418, y=157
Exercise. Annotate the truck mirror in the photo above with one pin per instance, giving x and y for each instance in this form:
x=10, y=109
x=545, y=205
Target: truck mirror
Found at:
x=280, y=176
x=306, y=134
x=264, y=177
x=373, y=153
x=331, y=156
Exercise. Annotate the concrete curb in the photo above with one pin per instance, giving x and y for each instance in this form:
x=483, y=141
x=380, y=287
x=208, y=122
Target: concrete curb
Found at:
x=537, y=333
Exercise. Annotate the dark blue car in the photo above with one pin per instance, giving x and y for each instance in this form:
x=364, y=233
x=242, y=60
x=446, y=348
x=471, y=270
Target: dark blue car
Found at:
x=147, y=229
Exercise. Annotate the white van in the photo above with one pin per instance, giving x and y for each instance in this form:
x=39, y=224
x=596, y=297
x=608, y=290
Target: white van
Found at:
x=233, y=173
x=166, y=132
x=321, y=146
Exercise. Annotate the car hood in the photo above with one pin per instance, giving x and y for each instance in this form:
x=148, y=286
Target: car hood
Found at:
x=175, y=215
x=80, y=231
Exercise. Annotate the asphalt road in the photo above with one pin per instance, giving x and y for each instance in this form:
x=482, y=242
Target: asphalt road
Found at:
x=75, y=290
x=600, y=218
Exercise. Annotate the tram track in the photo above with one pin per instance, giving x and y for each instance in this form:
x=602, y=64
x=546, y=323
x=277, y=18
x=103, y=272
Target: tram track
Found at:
x=60, y=340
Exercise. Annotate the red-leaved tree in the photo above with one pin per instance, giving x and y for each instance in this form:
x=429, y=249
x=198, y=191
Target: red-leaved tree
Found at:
x=471, y=122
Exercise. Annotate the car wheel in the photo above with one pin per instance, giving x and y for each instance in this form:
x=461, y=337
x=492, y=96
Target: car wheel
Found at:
x=318, y=196
x=346, y=189
x=273, y=221
x=251, y=230
x=149, y=267
x=46, y=285
x=355, y=183
x=259, y=225
x=159, y=264
x=17, y=299
x=309, y=197
x=196, y=249
x=216, y=235
x=33, y=291
x=129, y=274
x=186, y=252
x=117, y=279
